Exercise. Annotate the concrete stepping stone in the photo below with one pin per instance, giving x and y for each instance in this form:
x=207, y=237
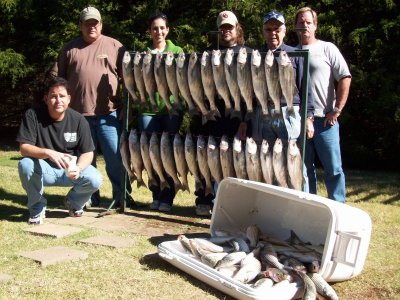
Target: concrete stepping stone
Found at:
x=54, y=255
x=110, y=241
x=53, y=230
x=4, y=278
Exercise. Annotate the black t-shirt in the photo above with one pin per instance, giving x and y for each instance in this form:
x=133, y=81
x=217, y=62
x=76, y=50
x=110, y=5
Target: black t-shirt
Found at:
x=70, y=135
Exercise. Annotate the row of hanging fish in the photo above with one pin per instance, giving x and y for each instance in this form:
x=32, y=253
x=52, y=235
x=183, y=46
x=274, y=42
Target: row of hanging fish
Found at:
x=262, y=262
x=208, y=160
x=199, y=80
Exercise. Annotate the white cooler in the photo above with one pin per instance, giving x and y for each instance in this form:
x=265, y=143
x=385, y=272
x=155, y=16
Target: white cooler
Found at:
x=343, y=230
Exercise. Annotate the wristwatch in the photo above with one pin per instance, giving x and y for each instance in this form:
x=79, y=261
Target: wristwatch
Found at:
x=337, y=110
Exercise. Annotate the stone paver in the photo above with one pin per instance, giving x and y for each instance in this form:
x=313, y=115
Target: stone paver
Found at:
x=54, y=255
x=110, y=241
x=4, y=278
x=52, y=230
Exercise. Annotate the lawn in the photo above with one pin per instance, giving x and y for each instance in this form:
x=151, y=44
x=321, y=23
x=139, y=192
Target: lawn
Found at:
x=138, y=273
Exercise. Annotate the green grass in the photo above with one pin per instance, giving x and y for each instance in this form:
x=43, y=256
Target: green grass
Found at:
x=137, y=273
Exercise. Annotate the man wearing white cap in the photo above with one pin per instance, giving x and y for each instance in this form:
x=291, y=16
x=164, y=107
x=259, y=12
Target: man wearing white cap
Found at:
x=92, y=64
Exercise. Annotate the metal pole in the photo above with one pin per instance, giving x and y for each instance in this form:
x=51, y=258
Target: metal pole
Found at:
x=125, y=123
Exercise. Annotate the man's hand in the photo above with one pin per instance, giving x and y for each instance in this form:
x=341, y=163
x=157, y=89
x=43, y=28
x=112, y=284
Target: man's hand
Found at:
x=331, y=118
x=59, y=158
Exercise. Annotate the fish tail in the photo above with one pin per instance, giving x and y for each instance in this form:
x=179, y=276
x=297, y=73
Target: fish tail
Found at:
x=152, y=182
x=290, y=112
x=249, y=116
x=140, y=183
x=198, y=185
x=236, y=114
x=209, y=190
x=185, y=186
x=164, y=185
x=193, y=112
x=172, y=112
x=216, y=113
x=228, y=111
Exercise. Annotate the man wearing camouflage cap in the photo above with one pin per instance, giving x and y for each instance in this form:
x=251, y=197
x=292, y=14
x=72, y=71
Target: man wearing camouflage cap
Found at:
x=92, y=64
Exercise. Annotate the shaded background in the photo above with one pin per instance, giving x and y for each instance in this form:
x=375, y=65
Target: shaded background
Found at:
x=367, y=32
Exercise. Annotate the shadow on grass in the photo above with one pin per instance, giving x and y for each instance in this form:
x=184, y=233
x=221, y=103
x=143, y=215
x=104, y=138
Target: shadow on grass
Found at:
x=168, y=218
x=154, y=261
x=11, y=211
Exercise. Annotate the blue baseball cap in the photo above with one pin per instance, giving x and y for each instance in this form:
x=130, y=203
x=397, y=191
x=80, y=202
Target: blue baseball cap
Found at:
x=273, y=15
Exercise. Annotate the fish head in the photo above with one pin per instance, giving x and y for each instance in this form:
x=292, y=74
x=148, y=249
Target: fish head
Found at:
x=127, y=58
x=169, y=58
x=293, y=149
x=224, y=144
x=284, y=59
x=158, y=60
x=264, y=146
x=278, y=146
x=216, y=57
x=201, y=142
x=181, y=60
x=147, y=58
x=154, y=138
x=242, y=56
x=137, y=58
x=251, y=146
x=255, y=58
x=177, y=139
x=212, y=144
x=269, y=58
x=229, y=57
x=237, y=144
x=204, y=58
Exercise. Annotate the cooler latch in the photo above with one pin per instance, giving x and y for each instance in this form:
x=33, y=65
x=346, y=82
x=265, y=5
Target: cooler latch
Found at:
x=346, y=249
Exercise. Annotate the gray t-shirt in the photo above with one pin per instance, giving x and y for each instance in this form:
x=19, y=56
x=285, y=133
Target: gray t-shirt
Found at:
x=327, y=65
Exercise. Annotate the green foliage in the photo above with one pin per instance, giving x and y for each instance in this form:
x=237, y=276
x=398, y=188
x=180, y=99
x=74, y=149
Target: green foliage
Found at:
x=12, y=66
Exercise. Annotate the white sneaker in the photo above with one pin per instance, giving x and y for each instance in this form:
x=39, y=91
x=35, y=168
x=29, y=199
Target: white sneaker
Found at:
x=36, y=221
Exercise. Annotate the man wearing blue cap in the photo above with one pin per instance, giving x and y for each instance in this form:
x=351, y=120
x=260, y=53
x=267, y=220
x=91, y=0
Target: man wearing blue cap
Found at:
x=288, y=126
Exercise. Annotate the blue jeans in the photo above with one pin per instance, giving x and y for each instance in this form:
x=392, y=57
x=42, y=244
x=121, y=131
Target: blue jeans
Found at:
x=106, y=131
x=159, y=124
x=35, y=174
x=326, y=143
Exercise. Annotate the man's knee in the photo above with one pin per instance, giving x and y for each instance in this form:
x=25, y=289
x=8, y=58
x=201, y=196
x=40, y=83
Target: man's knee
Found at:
x=26, y=167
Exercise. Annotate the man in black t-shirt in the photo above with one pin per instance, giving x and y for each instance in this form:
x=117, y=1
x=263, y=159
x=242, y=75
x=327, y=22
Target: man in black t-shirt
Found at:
x=58, y=150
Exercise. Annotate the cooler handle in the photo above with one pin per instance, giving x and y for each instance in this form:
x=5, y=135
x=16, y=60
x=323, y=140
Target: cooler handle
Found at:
x=345, y=242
